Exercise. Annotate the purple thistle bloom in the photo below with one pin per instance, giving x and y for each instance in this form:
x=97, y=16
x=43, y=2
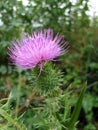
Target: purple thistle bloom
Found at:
x=36, y=49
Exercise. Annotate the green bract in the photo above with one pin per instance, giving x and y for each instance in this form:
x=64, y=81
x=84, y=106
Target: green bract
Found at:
x=48, y=81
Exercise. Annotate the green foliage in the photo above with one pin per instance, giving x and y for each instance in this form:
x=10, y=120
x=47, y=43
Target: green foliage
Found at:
x=77, y=109
x=78, y=65
x=48, y=112
x=11, y=120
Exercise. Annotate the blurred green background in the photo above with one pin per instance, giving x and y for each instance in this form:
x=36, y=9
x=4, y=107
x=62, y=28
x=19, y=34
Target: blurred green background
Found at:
x=72, y=21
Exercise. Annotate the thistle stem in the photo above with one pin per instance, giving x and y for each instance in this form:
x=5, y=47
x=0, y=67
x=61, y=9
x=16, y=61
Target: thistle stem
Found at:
x=18, y=94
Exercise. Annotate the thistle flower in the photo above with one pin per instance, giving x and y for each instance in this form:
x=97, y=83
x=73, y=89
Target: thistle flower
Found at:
x=36, y=49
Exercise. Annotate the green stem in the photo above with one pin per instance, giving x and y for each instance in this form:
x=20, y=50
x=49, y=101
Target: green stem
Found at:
x=18, y=92
x=7, y=105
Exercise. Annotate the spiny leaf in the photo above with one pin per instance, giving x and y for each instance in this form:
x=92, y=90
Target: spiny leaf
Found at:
x=10, y=119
